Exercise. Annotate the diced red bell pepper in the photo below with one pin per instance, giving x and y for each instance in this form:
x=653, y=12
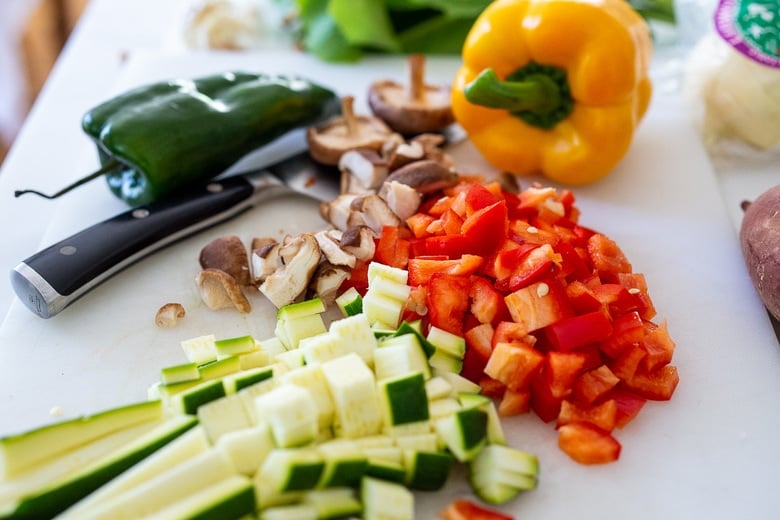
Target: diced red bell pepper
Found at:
x=531, y=234
x=492, y=388
x=627, y=363
x=421, y=270
x=462, y=509
x=514, y=402
x=627, y=330
x=539, y=304
x=615, y=298
x=451, y=222
x=563, y=368
x=392, y=249
x=486, y=228
x=418, y=224
x=446, y=303
x=607, y=257
x=487, y=304
x=637, y=286
x=603, y=416
x=508, y=332
x=656, y=385
x=582, y=298
x=573, y=265
x=578, y=331
x=478, y=350
x=535, y=265
x=594, y=384
x=450, y=246
x=544, y=404
x=479, y=197
x=587, y=444
x=514, y=364
x=658, y=345
x=358, y=278
x=628, y=406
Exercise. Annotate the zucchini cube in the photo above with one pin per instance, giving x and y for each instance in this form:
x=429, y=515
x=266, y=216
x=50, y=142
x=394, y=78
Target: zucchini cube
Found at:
x=404, y=399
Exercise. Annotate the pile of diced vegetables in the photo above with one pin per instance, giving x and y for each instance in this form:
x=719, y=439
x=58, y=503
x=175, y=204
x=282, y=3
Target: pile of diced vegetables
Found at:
x=486, y=304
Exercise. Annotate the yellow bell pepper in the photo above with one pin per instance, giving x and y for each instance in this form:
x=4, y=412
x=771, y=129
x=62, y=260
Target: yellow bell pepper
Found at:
x=555, y=87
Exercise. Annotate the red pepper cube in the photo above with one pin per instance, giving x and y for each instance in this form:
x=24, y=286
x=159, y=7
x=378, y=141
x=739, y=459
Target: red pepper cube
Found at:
x=602, y=416
x=658, y=345
x=636, y=284
x=479, y=197
x=491, y=387
x=447, y=304
x=563, y=368
x=478, y=350
x=544, y=404
x=626, y=365
x=656, y=385
x=593, y=385
x=627, y=330
x=587, y=444
x=538, y=305
x=628, y=406
x=536, y=264
x=514, y=364
x=578, y=331
x=514, y=402
x=509, y=332
x=418, y=224
x=462, y=509
x=582, y=298
x=487, y=304
x=392, y=249
x=422, y=270
x=607, y=258
x=449, y=246
x=486, y=228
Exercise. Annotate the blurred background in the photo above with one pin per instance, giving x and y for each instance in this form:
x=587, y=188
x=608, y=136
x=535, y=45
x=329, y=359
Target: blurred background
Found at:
x=32, y=34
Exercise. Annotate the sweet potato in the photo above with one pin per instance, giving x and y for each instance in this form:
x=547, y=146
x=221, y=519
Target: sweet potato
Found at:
x=760, y=241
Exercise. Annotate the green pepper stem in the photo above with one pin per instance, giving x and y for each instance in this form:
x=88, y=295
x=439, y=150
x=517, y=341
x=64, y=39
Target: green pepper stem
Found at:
x=536, y=93
x=108, y=166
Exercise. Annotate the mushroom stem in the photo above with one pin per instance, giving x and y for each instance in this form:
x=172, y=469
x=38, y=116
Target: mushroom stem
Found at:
x=348, y=110
x=417, y=77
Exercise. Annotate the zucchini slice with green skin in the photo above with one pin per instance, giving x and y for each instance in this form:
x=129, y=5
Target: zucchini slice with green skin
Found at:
x=403, y=399
x=386, y=500
x=333, y=503
x=350, y=302
x=233, y=497
x=292, y=469
x=21, y=451
x=427, y=470
x=464, y=432
x=499, y=473
x=58, y=496
x=234, y=346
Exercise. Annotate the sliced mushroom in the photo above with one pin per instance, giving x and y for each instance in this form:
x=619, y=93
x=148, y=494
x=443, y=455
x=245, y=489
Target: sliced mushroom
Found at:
x=366, y=167
x=404, y=154
x=376, y=212
x=326, y=281
x=412, y=109
x=265, y=260
x=338, y=211
x=228, y=254
x=347, y=132
x=359, y=240
x=169, y=315
x=402, y=199
x=219, y=290
x=300, y=257
x=432, y=148
x=426, y=176
x=332, y=251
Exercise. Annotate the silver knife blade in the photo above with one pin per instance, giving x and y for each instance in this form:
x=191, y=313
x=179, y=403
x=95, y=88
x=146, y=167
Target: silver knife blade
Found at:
x=55, y=277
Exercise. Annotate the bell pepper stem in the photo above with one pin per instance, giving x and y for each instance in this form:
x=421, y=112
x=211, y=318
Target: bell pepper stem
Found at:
x=108, y=166
x=536, y=93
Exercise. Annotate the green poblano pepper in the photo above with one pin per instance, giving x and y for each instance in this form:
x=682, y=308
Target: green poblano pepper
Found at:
x=161, y=137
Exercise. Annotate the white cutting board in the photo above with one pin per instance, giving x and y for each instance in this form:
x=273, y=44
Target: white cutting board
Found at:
x=712, y=452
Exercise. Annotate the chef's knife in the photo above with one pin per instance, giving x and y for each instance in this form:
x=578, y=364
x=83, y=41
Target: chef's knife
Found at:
x=55, y=277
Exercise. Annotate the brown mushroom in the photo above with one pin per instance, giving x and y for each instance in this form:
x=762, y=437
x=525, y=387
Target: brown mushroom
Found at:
x=413, y=109
x=332, y=251
x=228, y=254
x=169, y=315
x=403, y=154
x=363, y=169
x=338, y=212
x=340, y=134
x=219, y=290
x=265, y=260
x=426, y=176
x=402, y=199
x=299, y=257
x=376, y=213
x=432, y=148
x=326, y=281
x=359, y=240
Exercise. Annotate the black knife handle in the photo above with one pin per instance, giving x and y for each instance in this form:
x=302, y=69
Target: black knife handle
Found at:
x=55, y=277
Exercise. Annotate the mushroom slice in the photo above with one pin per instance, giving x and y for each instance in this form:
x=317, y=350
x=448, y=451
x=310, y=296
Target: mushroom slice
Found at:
x=332, y=251
x=413, y=109
x=265, y=260
x=337, y=211
x=376, y=212
x=425, y=176
x=228, y=254
x=219, y=290
x=359, y=240
x=169, y=315
x=340, y=134
x=431, y=145
x=402, y=199
x=300, y=257
x=366, y=166
x=326, y=281
x=405, y=153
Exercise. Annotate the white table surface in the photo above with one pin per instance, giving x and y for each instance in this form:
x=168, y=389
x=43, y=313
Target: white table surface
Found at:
x=52, y=150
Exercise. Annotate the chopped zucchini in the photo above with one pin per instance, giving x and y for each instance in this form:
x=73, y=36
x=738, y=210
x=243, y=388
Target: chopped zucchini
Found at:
x=240, y=380
x=427, y=470
x=345, y=463
x=248, y=448
x=219, y=368
x=495, y=431
x=292, y=311
x=499, y=473
x=234, y=346
x=179, y=373
x=400, y=355
x=292, y=414
x=289, y=512
x=233, y=497
x=353, y=389
x=355, y=333
x=333, y=503
x=312, y=379
x=447, y=341
x=222, y=415
x=438, y=388
x=190, y=399
x=384, y=500
x=292, y=469
x=464, y=432
x=350, y=302
x=394, y=274
x=200, y=349
x=403, y=399
x=322, y=347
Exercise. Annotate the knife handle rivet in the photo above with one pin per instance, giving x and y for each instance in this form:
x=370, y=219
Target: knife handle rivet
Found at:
x=68, y=250
x=140, y=213
x=214, y=187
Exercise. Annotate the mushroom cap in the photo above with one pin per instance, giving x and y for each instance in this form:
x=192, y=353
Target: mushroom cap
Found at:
x=391, y=101
x=330, y=140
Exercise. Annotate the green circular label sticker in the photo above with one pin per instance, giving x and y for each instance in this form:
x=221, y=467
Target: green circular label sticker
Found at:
x=752, y=27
